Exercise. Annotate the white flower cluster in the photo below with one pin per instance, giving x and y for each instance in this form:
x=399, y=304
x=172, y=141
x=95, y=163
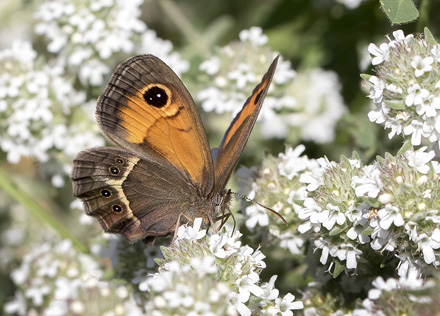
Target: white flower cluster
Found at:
x=319, y=105
x=386, y=205
x=346, y=209
x=233, y=73
x=279, y=188
x=90, y=36
x=36, y=107
x=406, y=88
x=406, y=289
x=56, y=280
x=88, y=32
x=309, y=101
x=200, y=273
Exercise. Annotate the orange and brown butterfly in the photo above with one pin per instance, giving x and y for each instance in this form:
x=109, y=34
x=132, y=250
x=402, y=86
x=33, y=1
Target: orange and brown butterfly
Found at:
x=163, y=174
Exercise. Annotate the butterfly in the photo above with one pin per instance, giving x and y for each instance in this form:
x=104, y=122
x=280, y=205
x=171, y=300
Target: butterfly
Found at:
x=162, y=173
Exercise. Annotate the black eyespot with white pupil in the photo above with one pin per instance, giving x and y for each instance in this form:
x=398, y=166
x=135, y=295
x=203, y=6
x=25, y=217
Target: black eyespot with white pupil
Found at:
x=106, y=193
x=156, y=97
x=114, y=170
x=119, y=161
x=116, y=208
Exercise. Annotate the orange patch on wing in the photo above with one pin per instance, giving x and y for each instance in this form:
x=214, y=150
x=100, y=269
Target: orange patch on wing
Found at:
x=246, y=112
x=168, y=129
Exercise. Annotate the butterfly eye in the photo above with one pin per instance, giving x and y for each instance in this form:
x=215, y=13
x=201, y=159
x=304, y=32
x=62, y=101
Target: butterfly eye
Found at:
x=114, y=170
x=116, y=208
x=156, y=97
x=119, y=161
x=106, y=193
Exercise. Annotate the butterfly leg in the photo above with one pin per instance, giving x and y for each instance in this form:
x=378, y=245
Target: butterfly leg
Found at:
x=224, y=218
x=178, y=224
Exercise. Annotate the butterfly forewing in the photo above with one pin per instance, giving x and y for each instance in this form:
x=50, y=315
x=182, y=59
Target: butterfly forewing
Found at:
x=238, y=133
x=147, y=109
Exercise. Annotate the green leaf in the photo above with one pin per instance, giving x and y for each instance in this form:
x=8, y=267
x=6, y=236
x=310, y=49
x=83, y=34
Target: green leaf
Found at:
x=337, y=230
x=366, y=76
x=429, y=37
x=367, y=231
x=395, y=104
x=339, y=267
x=405, y=147
x=399, y=11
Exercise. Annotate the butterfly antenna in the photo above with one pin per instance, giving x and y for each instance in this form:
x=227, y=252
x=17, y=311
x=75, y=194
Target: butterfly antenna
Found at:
x=259, y=204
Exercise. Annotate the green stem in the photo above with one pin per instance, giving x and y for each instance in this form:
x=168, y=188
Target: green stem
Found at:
x=184, y=25
x=36, y=210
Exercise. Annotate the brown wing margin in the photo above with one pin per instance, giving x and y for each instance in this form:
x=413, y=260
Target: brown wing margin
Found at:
x=239, y=131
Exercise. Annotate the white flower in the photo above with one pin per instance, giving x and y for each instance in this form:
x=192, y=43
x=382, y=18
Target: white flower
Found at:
x=333, y=215
x=314, y=177
x=428, y=244
x=376, y=91
x=325, y=246
x=390, y=215
x=191, y=233
x=256, y=215
x=247, y=285
x=269, y=290
x=350, y=253
x=211, y=66
x=291, y=242
x=416, y=95
x=152, y=44
x=286, y=304
x=223, y=245
x=291, y=164
x=254, y=35
x=235, y=299
x=380, y=53
x=380, y=285
x=379, y=114
x=430, y=105
x=205, y=265
x=436, y=52
x=400, y=38
x=419, y=159
x=370, y=184
x=417, y=129
x=242, y=75
x=422, y=65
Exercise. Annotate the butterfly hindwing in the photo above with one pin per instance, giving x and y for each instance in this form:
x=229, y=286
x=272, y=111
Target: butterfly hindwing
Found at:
x=129, y=195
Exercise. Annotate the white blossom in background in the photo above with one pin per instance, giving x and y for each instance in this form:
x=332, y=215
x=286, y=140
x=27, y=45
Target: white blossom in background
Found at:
x=152, y=44
x=54, y=279
x=351, y=4
x=403, y=294
x=308, y=104
x=37, y=105
x=231, y=75
x=90, y=36
x=405, y=90
x=319, y=105
x=200, y=273
x=87, y=33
